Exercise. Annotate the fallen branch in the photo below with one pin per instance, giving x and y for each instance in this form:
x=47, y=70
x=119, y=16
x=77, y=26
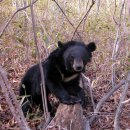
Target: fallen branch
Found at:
x=121, y=104
x=12, y=101
x=6, y=25
x=105, y=98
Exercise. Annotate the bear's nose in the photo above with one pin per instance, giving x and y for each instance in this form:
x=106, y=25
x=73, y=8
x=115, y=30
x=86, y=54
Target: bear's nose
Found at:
x=78, y=65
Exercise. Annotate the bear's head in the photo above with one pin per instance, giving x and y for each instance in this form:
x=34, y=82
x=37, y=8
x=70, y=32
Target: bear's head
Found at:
x=76, y=54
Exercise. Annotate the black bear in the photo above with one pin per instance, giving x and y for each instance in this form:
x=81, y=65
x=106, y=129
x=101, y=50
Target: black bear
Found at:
x=62, y=71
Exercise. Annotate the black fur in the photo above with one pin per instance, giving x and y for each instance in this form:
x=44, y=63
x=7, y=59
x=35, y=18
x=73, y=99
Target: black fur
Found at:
x=62, y=72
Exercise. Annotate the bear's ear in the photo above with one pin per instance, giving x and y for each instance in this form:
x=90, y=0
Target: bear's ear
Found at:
x=91, y=46
x=60, y=44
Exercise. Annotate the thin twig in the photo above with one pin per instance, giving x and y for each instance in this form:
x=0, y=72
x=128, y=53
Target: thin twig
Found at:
x=6, y=25
x=124, y=20
x=115, y=49
x=114, y=14
x=66, y=17
x=43, y=89
x=126, y=101
x=121, y=105
x=63, y=13
x=122, y=7
x=85, y=16
x=129, y=8
x=116, y=43
x=104, y=98
x=98, y=5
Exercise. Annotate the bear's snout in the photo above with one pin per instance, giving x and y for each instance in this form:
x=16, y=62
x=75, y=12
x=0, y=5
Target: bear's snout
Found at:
x=78, y=65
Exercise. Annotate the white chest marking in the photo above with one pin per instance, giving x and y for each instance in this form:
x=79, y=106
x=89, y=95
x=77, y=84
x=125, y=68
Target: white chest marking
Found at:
x=67, y=79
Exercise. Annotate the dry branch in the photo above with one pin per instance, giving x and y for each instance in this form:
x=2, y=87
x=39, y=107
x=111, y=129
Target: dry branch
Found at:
x=105, y=97
x=121, y=104
x=43, y=88
x=98, y=5
x=12, y=101
x=115, y=49
x=124, y=19
x=116, y=43
x=114, y=14
x=85, y=17
x=66, y=17
x=6, y=25
x=69, y=117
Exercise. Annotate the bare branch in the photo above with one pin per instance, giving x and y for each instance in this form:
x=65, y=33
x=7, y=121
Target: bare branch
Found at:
x=66, y=17
x=124, y=20
x=87, y=125
x=129, y=8
x=114, y=14
x=12, y=101
x=115, y=49
x=43, y=89
x=85, y=16
x=105, y=97
x=126, y=101
x=90, y=89
x=63, y=13
x=122, y=7
x=121, y=105
x=6, y=25
x=98, y=5
x=116, y=43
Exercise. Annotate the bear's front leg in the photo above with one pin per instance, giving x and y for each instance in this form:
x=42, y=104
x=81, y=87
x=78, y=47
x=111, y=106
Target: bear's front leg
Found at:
x=77, y=92
x=58, y=90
